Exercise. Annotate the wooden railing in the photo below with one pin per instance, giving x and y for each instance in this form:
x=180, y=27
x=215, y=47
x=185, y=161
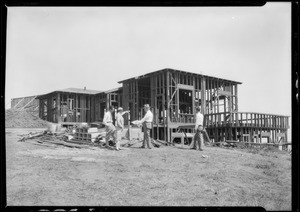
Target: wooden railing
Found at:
x=184, y=118
x=240, y=119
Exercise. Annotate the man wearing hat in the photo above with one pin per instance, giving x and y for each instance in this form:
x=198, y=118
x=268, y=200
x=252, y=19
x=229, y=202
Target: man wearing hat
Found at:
x=147, y=125
x=119, y=125
x=198, y=139
x=109, y=126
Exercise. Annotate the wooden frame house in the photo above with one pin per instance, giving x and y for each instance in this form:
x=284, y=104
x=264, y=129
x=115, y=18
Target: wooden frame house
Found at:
x=174, y=94
x=77, y=105
x=68, y=105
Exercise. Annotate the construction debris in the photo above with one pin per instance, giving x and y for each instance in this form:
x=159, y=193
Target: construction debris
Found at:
x=88, y=134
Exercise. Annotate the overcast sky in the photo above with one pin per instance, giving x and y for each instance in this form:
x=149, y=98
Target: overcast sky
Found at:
x=51, y=48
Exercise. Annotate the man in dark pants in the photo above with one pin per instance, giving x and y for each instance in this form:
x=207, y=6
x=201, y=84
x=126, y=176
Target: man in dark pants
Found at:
x=198, y=139
x=147, y=126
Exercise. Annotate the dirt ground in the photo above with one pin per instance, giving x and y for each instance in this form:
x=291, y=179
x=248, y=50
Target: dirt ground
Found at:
x=166, y=176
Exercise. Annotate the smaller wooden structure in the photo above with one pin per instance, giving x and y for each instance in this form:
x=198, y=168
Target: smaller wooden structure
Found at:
x=68, y=105
x=28, y=103
x=77, y=105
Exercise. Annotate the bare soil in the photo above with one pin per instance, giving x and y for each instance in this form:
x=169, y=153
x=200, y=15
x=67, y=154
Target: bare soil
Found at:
x=23, y=119
x=166, y=176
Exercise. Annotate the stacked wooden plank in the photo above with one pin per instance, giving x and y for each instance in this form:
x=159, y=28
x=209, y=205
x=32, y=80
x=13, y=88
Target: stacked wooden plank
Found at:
x=87, y=134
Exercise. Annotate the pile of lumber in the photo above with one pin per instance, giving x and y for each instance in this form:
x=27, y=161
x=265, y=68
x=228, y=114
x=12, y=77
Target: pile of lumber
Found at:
x=79, y=137
x=47, y=138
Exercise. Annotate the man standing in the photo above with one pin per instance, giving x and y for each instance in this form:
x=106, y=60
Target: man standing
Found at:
x=147, y=125
x=199, y=128
x=119, y=125
x=109, y=126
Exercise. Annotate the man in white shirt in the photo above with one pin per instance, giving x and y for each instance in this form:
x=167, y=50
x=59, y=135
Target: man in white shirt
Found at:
x=147, y=125
x=119, y=125
x=198, y=139
x=109, y=126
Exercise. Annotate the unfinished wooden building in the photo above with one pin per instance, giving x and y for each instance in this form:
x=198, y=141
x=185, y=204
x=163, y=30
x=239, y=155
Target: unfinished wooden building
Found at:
x=68, y=105
x=174, y=94
x=77, y=105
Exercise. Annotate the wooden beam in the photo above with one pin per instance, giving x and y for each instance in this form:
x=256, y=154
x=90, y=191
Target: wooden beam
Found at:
x=27, y=103
x=18, y=102
x=185, y=87
x=58, y=113
x=168, y=105
x=203, y=100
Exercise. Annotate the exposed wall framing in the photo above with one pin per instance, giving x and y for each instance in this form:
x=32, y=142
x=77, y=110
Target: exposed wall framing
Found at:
x=66, y=106
x=173, y=95
x=104, y=99
x=77, y=106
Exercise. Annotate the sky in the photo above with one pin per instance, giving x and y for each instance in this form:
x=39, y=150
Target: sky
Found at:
x=50, y=48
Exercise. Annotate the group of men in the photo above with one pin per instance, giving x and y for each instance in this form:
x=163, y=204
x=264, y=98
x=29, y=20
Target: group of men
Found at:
x=115, y=131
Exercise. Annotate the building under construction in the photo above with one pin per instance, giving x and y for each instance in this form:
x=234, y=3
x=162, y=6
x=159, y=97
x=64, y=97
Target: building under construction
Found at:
x=173, y=96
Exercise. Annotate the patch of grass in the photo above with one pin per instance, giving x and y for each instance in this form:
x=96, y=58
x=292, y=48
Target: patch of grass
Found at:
x=271, y=172
x=271, y=151
x=262, y=166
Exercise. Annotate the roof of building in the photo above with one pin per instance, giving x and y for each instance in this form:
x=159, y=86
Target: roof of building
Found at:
x=113, y=90
x=79, y=90
x=74, y=90
x=174, y=70
x=18, y=98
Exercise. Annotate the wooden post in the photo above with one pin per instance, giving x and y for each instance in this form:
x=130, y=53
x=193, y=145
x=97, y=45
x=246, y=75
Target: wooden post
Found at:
x=58, y=113
x=164, y=109
x=203, y=101
x=40, y=108
x=260, y=139
x=129, y=127
x=49, y=108
x=168, y=107
x=236, y=97
x=136, y=95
